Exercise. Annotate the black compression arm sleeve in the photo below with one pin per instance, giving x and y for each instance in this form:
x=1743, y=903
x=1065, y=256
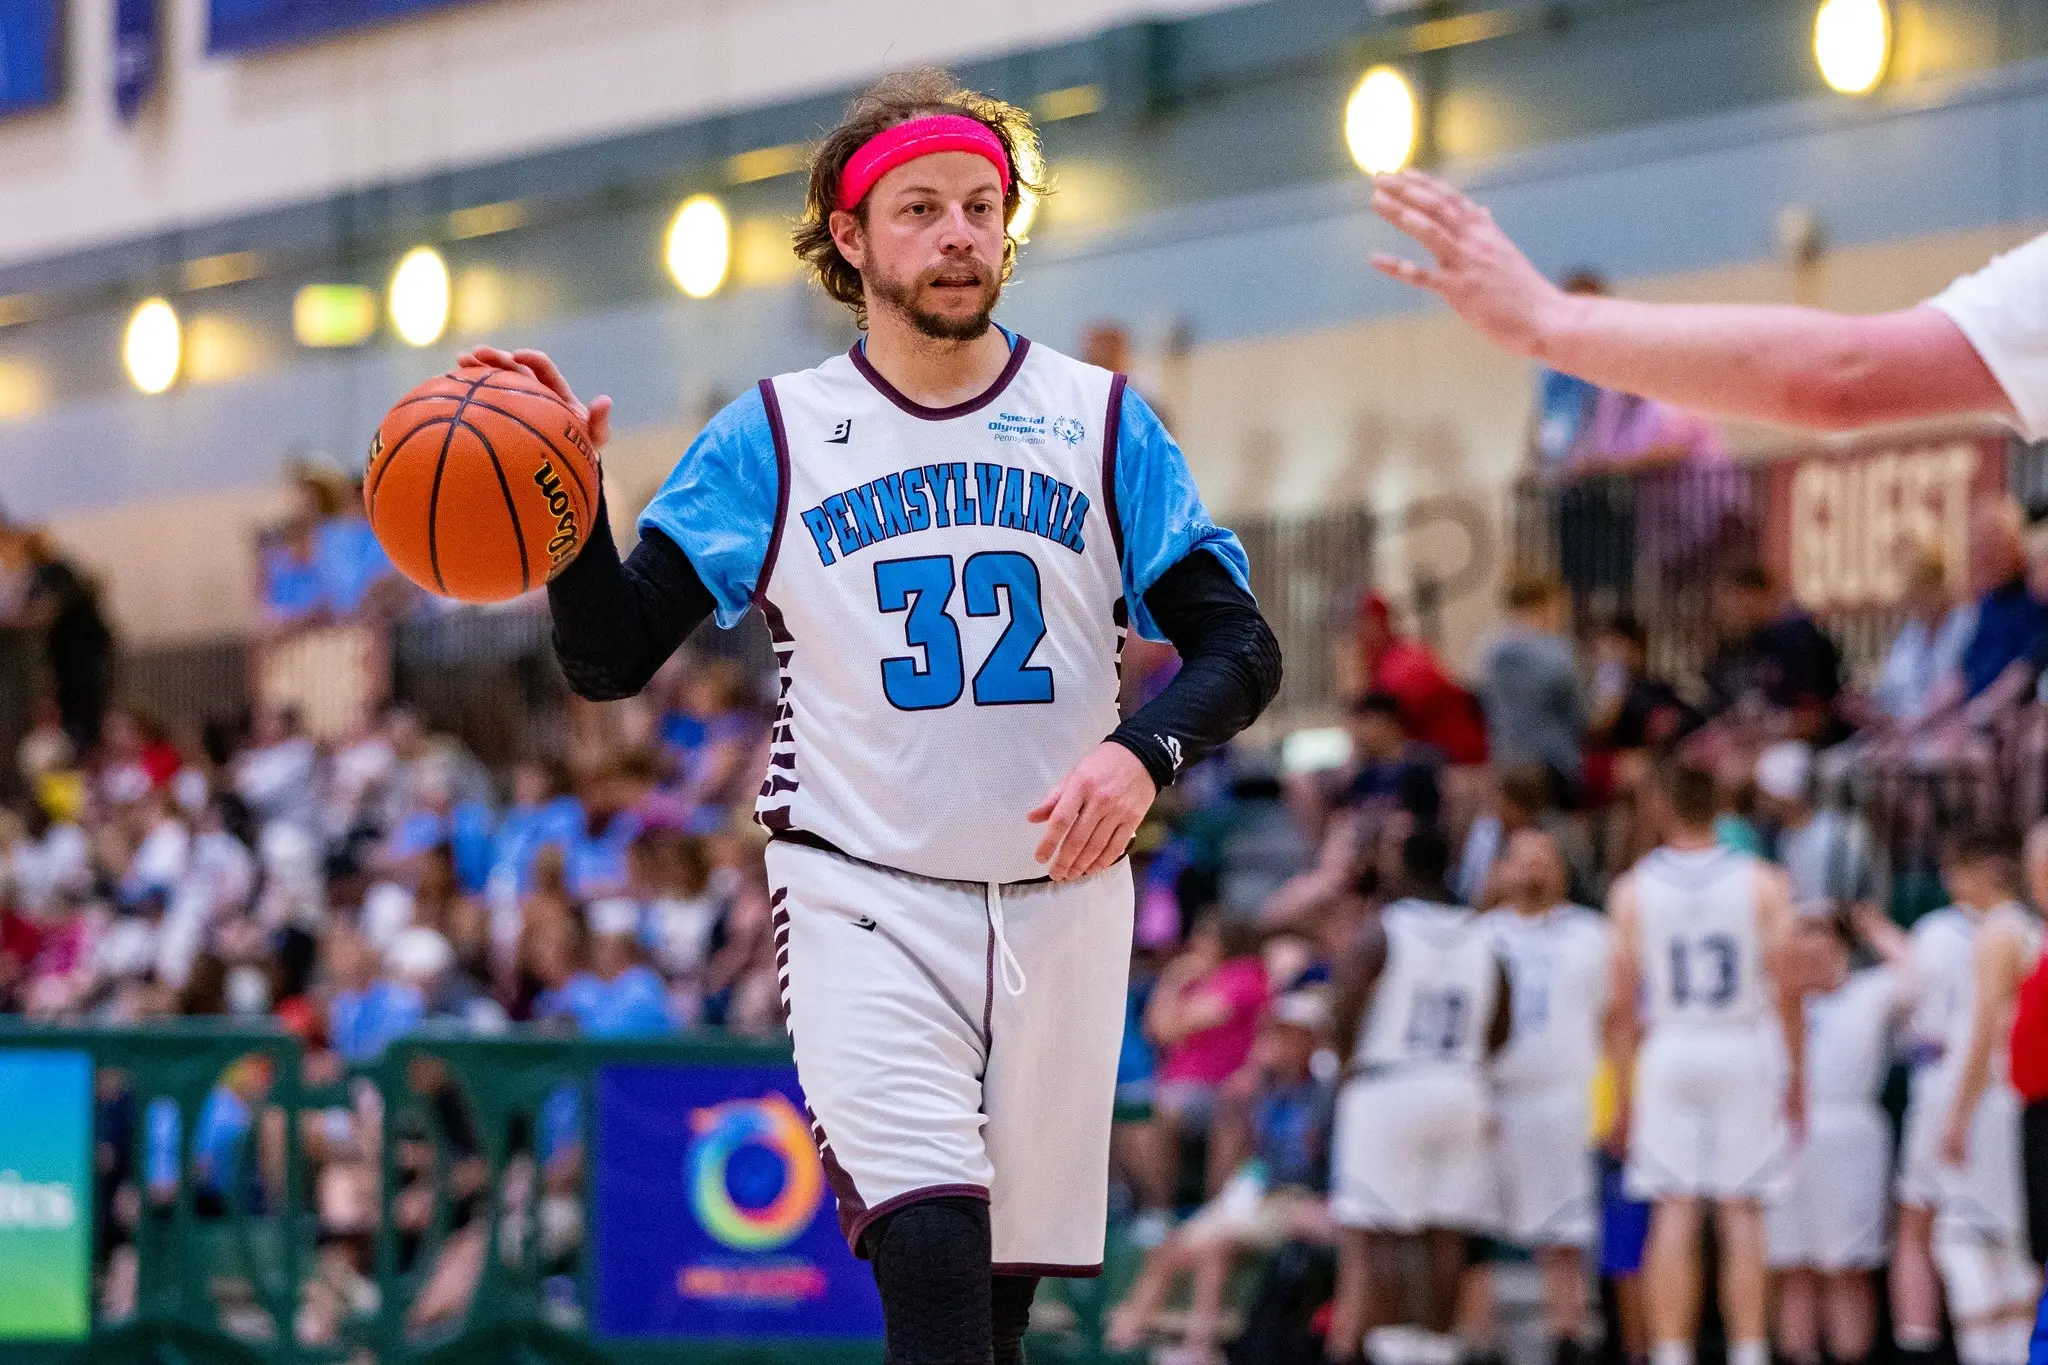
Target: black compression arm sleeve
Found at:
x=1229, y=669
x=615, y=623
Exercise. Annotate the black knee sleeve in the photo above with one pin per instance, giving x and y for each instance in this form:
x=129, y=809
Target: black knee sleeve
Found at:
x=1009, y=1315
x=931, y=1263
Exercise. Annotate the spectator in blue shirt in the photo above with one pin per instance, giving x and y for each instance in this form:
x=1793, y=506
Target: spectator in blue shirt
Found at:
x=1278, y=1116
x=349, y=562
x=596, y=860
x=615, y=996
x=365, y=1013
x=542, y=814
x=2009, y=617
x=709, y=736
x=1998, y=661
x=290, y=574
x=324, y=562
x=224, y=1162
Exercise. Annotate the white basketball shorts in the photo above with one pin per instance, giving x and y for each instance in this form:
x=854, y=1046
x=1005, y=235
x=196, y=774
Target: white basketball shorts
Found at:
x=1928, y=1092
x=1546, y=1167
x=1831, y=1212
x=1708, y=1118
x=1411, y=1151
x=1986, y=1195
x=927, y=1075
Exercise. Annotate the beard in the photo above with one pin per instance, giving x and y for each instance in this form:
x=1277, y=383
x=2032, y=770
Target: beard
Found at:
x=904, y=297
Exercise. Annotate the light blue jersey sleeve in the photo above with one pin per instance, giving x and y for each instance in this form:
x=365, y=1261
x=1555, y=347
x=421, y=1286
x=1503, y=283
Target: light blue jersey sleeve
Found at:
x=718, y=505
x=1161, y=512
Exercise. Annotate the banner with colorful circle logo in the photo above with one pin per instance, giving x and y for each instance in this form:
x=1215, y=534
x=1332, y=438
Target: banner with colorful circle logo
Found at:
x=712, y=1216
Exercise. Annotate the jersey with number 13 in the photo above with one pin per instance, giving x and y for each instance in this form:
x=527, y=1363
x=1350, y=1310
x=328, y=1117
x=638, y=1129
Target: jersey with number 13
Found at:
x=1702, y=954
x=947, y=591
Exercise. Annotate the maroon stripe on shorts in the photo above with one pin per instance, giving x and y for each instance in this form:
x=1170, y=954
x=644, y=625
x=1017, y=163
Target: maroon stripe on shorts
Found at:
x=853, y=1210
x=902, y=1201
x=1055, y=1272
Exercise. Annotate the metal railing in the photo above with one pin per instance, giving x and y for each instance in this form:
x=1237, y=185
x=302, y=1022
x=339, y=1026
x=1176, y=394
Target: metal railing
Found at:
x=1650, y=541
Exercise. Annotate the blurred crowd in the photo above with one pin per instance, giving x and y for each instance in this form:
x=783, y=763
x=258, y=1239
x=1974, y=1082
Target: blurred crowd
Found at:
x=355, y=888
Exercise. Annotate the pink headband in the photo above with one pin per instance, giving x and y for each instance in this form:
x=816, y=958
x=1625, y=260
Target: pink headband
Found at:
x=926, y=136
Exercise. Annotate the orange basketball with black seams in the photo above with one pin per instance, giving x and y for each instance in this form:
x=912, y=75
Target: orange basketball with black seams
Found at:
x=481, y=484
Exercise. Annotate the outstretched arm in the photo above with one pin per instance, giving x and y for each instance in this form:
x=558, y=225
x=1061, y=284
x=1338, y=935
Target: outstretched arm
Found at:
x=1357, y=976
x=1775, y=919
x=1800, y=366
x=1621, y=1030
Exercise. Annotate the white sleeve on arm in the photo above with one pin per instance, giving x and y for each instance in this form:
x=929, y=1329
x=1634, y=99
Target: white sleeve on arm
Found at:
x=2003, y=310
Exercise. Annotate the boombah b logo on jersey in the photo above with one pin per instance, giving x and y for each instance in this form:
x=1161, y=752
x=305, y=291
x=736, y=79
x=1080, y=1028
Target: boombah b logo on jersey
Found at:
x=939, y=495
x=755, y=1178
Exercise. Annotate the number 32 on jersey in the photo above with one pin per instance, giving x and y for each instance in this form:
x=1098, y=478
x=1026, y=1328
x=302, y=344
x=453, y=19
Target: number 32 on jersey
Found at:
x=922, y=588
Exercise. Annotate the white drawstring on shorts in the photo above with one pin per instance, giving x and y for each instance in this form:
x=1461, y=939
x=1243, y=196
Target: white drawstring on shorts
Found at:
x=1004, y=956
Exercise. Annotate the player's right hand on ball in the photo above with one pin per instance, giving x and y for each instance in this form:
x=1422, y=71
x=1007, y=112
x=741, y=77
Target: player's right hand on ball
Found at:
x=597, y=415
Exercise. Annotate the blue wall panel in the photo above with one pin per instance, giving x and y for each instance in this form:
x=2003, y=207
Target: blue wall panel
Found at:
x=249, y=25
x=31, y=54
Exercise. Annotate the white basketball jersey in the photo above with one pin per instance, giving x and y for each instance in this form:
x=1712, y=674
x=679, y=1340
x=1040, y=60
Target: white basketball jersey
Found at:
x=1939, y=954
x=1702, y=960
x=1435, y=995
x=945, y=597
x=2009, y=918
x=1848, y=1032
x=1558, y=967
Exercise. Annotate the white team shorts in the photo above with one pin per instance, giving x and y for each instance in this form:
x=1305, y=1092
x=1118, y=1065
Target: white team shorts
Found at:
x=926, y=1077
x=1411, y=1151
x=1708, y=1118
x=1546, y=1167
x=1927, y=1098
x=1831, y=1212
x=1986, y=1195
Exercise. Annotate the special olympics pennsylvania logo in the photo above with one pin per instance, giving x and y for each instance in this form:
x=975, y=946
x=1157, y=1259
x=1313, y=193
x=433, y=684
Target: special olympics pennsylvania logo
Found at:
x=755, y=1178
x=1069, y=429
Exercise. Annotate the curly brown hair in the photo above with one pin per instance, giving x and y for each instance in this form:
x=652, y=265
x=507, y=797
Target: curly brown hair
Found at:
x=892, y=100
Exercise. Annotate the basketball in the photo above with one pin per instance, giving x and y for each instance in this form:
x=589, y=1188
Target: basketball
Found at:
x=481, y=484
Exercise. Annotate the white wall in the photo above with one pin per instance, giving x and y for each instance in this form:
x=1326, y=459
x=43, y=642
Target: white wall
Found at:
x=454, y=88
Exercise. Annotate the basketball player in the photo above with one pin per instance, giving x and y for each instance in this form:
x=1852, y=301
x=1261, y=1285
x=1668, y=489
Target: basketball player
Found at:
x=1700, y=934
x=1422, y=1000
x=1981, y=345
x=1559, y=959
x=1825, y=1228
x=1939, y=962
x=945, y=529
x=1980, y=1235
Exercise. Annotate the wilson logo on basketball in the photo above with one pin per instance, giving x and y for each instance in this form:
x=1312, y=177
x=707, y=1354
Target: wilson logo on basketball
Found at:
x=565, y=537
x=450, y=487
x=376, y=449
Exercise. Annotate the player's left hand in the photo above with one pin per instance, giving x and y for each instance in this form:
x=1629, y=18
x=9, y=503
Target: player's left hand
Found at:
x=1092, y=814
x=536, y=365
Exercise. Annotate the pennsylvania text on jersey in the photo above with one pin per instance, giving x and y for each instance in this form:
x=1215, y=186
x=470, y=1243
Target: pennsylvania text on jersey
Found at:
x=942, y=494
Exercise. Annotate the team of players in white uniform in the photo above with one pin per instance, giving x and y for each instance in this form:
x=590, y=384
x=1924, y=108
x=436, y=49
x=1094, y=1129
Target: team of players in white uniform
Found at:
x=1756, y=1056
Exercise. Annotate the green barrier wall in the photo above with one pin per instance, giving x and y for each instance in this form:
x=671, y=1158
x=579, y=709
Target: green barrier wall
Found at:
x=218, y=1241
